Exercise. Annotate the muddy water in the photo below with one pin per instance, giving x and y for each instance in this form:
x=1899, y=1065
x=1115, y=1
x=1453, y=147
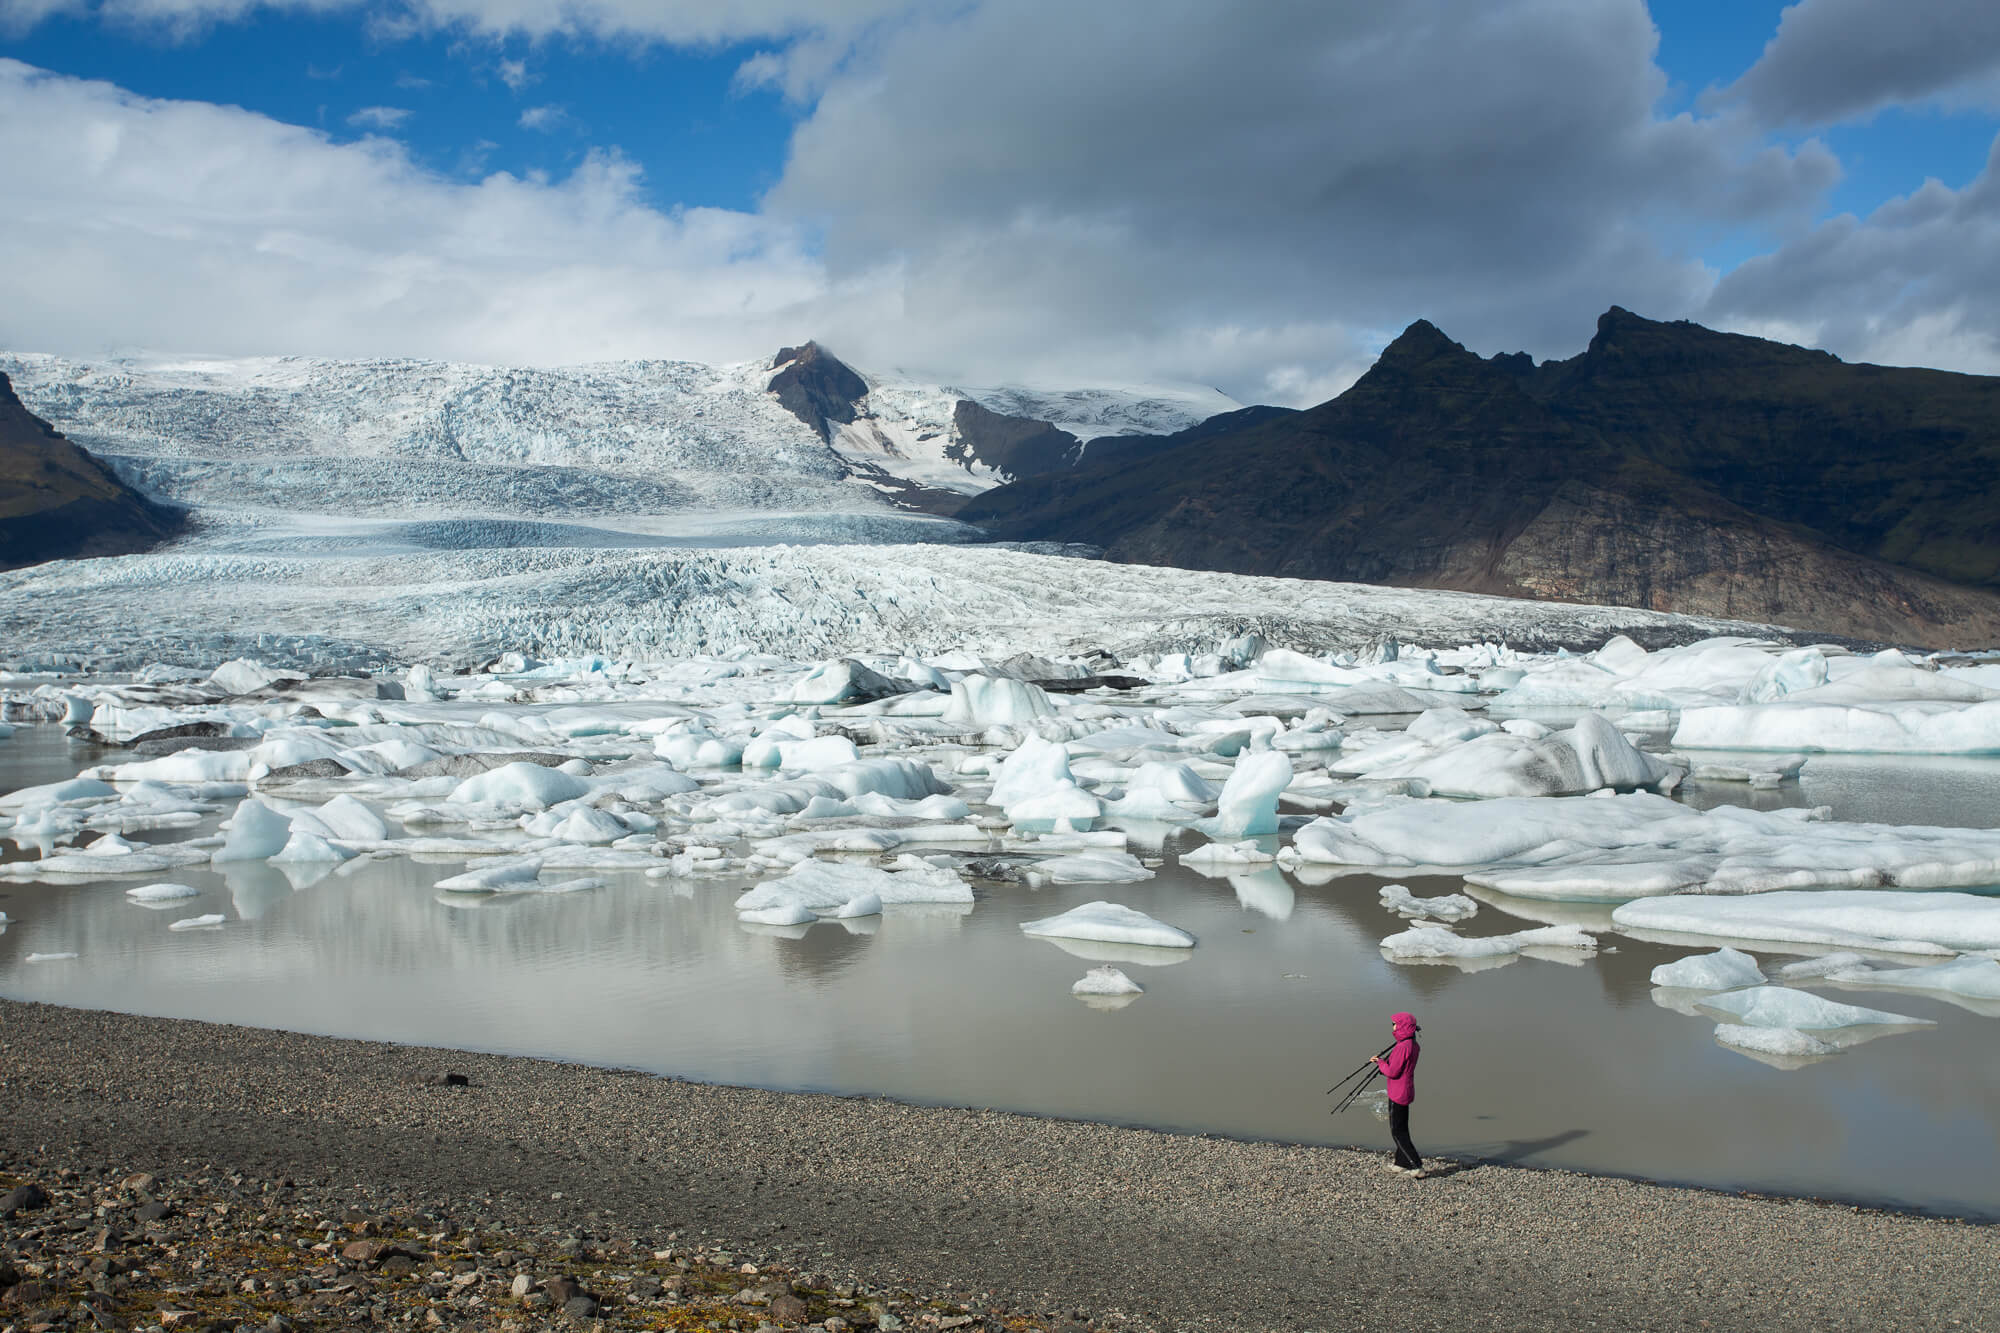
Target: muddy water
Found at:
x=1536, y=1061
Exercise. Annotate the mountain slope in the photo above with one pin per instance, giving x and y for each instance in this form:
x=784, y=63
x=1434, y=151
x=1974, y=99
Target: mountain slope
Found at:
x=1587, y=480
x=58, y=501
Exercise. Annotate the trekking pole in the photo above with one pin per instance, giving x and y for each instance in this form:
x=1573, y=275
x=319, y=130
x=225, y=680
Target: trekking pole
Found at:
x=1354, y=1094
x=1365, y=1066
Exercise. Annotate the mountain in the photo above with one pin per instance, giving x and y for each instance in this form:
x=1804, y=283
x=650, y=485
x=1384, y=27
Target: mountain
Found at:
x=1667, y=466
x=58, y=501
x=293, y=454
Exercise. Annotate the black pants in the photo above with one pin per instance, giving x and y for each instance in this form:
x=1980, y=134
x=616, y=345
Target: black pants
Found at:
x=1399, y=1130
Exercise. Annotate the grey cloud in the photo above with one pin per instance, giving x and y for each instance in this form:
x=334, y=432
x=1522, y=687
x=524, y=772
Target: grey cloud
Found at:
x=1496, y=167
x=1837, y=60
x=1917, y=282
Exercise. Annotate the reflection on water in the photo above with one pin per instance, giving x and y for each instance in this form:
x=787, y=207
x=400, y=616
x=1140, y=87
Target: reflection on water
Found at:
x=1533, y=1061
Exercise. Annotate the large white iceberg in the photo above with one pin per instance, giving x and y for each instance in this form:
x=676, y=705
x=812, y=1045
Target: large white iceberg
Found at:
x=828, y=887
x=1912, y=923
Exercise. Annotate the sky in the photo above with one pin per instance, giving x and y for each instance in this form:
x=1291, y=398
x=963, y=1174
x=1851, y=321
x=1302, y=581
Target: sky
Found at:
x=1255, y=197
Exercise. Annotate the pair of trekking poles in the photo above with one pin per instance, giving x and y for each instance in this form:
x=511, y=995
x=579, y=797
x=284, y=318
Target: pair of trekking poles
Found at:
x=1366, y=1073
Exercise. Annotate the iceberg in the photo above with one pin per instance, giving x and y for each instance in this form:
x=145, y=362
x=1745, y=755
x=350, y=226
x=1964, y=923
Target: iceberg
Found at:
x=1725, y=969
x=1109, y=923
x=1422, y=942
x=162, y=893
x=1106, y=980
x=829, y=887
x=1783, y=1007
x=207, y=922
x=1445, y=907
x=1248, y=805
x=520, y=785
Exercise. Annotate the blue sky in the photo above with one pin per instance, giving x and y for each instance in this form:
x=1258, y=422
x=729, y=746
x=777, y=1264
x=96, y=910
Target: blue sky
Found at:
x=1252, y=197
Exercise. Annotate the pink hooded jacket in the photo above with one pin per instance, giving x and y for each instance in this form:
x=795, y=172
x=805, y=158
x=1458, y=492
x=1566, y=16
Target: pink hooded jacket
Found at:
x=1400, y=1065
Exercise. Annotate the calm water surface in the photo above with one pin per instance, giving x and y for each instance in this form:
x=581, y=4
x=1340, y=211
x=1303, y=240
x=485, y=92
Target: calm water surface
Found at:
x=1535, y=1061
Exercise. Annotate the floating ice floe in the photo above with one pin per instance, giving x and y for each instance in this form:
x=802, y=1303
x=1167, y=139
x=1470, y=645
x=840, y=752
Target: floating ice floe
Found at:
x=207, y=922
x=1882, y=922
x=162, y=893
x=1966, y=978
x=831, y=888
x=1784, y=1007
x=1725, y=969
x=1444, y=907
x=521, y=786
x=500, y=877
x=1106, y=980
x=1109, y=923
x=48, y=957
x=1483, y=761
x=990, y=701
x=1441, y=942
x=1246, y=853
x=1917, y=727
x=1786, y=1044
x=1090, y=867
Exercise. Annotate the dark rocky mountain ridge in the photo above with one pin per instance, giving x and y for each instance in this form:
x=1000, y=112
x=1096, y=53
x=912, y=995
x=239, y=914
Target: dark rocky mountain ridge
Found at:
x=56, y=500
x=1667, y=466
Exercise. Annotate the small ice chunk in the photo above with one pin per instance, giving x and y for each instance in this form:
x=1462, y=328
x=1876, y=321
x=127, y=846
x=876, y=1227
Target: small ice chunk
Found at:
x=1725, y=969
x=860, y=905
x=162, y=893
x=1109, y=923
x=305, y=848
x=199, y=922
x=1445, y=907
x=1825, y=965
x=1245, y=853
x=1106, y=980
x=1783, y=1007
x=778, y=914
x=1090, y=867
x=48, y=957
x=493, y=878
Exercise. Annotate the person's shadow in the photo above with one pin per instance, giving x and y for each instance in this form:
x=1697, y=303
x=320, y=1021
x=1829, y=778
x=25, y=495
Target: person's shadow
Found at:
x=1505, y=1151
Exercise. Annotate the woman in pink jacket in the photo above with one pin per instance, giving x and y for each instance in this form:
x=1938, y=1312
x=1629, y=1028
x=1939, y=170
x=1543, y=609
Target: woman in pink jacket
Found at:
x=1399, y=1067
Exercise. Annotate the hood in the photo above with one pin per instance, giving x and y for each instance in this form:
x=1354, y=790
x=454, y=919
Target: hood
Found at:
x=1406, y=1026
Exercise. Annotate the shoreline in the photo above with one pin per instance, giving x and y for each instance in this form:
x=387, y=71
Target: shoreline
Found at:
x=1126, y=1227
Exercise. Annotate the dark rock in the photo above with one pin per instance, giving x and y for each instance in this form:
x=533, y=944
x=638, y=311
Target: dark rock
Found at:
x=398, y=1265
x=816, y=387
x=441, y=1080
x=156, y=1211
x=1015, y=447
x=185, y=731
x=472, y=765
x=580, y=1307
x=24, y=1294
x=26, y=1198
x=787, y=1309
x=309, y=768
x=646, y=1287
x=59, y=501
x=561, y=1289
x=176, y=745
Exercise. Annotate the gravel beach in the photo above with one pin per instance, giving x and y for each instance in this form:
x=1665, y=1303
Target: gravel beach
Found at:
x=875, y=1213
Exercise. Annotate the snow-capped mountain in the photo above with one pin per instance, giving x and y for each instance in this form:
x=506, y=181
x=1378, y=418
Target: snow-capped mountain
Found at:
x=305, y=450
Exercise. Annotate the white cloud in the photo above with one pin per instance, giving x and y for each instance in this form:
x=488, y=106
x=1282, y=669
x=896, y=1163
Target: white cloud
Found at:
x=185, y=225
x=382, y=118
x=514, y=73
x=545, y=119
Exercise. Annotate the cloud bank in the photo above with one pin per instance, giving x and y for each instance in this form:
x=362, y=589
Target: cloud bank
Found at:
x=1254, y=197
